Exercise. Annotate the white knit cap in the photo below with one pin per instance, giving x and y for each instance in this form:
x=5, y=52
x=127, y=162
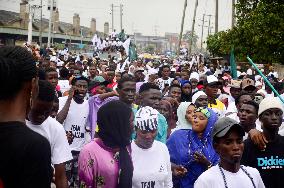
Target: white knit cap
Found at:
x=197, y=95
x=194, y=75
x=146, y=119
x=270, y=102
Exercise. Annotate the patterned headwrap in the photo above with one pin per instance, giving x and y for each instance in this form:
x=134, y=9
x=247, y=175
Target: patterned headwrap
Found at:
x=204, y=111
x=146, y=119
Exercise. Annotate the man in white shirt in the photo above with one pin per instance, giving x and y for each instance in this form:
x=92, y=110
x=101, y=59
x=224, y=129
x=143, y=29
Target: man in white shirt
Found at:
x=73, y=114
x=273, y=72
x=40, y=122
x=249, y=71
x=235, y=91
x=113, y=34
x=228, y=143
x=165, y=81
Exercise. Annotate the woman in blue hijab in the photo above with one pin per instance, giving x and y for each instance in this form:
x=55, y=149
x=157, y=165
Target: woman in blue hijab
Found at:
x=186, y=91
x=191, y=150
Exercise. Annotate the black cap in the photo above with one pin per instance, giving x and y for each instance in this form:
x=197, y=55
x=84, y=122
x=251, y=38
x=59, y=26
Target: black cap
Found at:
x=223, y=125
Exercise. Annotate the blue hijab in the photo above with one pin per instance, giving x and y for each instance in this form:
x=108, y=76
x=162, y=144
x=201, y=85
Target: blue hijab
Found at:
x=184, y=97
x=182, y=145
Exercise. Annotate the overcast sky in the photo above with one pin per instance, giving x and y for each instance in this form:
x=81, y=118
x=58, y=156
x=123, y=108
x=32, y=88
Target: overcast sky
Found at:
x=149, y=17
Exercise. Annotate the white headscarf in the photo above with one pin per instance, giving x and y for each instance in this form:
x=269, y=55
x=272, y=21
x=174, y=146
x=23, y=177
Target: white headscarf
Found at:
x=197, y=95
x=182, y=123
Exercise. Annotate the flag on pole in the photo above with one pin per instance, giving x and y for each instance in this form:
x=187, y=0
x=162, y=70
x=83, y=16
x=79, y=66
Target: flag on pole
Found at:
x=126, y=45
x=132, y=52
x=233, y=64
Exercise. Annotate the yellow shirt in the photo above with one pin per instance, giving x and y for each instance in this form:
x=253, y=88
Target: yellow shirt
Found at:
x=219, y=108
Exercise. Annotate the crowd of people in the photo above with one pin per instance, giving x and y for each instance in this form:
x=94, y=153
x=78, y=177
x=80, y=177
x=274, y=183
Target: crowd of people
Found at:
x=113, y=43
x=72, y=121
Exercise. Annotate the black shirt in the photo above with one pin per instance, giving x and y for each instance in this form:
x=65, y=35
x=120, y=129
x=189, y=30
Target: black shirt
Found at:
x=25, y=157
x=269, y=163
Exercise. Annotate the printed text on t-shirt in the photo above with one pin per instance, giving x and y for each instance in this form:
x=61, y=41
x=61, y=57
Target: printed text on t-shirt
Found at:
x=76, y=131
x=150, y=184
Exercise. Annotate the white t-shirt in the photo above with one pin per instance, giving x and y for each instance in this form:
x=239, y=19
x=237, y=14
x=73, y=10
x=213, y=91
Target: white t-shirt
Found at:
x=232, y=112
x=152, y=167
x=238, y=73
x=113, y=34
x=213, y=178
x=76, y=121
x=162, y=82
x=249, y=72
x=54, y=132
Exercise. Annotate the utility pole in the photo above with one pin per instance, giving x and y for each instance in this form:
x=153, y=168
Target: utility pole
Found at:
x=31, y=18
x=30, y=26
x=112, y=27
x=40, y=27
x=181, y=27
x=49, y=24
x=202, y=31
x=112, y=15
x=209, y=27
x=81, y=35
x=216, y=16
x=121, y=9
x=233, y=13
x=192, y=28
x=155, y=30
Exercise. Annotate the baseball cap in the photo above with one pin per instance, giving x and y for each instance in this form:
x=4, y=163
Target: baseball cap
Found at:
x=235, y=84
x=268, y=103
x=194, y=75
x=99, y=80
x=224, y=125
x=247, y=82
x=212, y=80
x=139, y=69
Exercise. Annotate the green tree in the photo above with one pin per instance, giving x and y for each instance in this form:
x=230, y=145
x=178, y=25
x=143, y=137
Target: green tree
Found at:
x=219, y=43
x=187, y=37
x=258, y=33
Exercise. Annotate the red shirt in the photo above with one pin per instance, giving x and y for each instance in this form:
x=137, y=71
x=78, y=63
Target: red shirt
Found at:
x=111, y=85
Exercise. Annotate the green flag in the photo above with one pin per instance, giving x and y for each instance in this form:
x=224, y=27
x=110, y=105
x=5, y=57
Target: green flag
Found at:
x=233, y=64
x=132, y=52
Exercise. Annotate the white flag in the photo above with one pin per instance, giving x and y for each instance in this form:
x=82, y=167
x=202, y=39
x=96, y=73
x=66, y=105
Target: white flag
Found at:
x=126, y=46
